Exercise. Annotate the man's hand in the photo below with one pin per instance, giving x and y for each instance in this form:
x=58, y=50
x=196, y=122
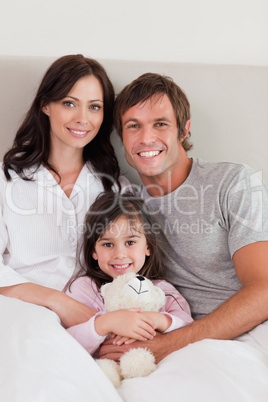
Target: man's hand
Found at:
x=157, y=345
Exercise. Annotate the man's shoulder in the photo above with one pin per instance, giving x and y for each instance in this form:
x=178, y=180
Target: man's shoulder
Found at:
x=218, y=168
x=218, y=174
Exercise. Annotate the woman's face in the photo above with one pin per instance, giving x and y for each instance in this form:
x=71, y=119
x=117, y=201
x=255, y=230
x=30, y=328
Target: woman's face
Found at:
x=76, y=119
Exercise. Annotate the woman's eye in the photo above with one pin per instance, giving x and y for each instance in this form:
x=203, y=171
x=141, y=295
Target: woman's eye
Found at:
x=68, y=104
x=95, y=107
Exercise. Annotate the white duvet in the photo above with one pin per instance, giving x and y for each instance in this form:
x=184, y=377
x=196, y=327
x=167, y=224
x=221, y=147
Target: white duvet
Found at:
x=41, y=362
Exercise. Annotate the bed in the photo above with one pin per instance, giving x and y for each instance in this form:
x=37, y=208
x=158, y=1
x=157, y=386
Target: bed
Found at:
x=40, y=361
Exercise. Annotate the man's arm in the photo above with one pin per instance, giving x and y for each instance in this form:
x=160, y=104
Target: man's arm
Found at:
x=239, y=314
x=70, y=311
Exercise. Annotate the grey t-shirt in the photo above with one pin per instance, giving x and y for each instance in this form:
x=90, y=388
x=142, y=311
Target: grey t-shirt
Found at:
x=220, y=208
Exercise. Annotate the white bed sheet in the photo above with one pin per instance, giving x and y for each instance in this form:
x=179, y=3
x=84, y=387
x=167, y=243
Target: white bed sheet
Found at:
x=41, y=362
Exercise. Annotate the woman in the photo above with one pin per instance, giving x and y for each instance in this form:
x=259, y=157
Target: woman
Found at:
x=60, y=161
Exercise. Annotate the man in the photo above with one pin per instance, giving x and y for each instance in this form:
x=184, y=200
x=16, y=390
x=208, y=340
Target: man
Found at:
x=213, y=218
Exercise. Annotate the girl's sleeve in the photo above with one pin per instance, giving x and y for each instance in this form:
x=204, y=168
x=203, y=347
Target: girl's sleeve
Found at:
x=85, y=291
x=176, y=306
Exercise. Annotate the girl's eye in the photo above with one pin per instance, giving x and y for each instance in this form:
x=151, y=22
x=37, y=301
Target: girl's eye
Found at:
x=130, y=242
x=68, y=103
x=95, y=107
x=108, y=244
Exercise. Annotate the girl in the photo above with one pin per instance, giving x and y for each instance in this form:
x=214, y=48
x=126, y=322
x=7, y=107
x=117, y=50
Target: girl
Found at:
x=119, y=237
x=60, y=161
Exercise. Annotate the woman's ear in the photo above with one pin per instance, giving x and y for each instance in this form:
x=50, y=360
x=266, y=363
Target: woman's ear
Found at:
x=95, y=256
x=148, y=252
x=45, y=109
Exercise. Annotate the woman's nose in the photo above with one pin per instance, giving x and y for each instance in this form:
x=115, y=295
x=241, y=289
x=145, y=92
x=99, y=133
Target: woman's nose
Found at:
x=82, y=116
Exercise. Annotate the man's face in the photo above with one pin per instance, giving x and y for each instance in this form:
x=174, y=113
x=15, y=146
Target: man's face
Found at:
x=150, y=138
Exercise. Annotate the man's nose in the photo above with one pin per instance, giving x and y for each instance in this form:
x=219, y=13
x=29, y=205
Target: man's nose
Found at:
x=147, y=135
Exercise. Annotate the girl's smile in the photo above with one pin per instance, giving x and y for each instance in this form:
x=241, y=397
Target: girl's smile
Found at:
x=122, y=248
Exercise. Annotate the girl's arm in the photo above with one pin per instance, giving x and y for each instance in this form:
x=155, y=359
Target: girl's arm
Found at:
x=131, y=324
x=173, y=315
x=92, y=333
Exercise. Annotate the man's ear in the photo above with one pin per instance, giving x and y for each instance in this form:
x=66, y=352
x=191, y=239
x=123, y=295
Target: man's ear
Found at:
x=186, y=131
x=187, y=127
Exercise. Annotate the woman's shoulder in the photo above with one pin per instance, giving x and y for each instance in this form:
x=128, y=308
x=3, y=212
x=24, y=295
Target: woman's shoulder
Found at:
x=3, y=179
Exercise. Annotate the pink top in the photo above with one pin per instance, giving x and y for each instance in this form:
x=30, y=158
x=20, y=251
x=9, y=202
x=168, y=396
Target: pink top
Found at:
x=85, y=290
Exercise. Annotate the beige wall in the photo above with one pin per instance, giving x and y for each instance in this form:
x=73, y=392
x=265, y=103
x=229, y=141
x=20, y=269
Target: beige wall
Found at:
x=229, y=105
x=194, y=31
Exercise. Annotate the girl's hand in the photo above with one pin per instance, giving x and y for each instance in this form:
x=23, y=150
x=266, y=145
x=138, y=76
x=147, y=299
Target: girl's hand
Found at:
x=126, y=323
x=120, y=340
x=161, y=321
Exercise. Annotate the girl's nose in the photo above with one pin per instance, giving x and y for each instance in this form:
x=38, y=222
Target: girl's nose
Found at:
x=119, y=252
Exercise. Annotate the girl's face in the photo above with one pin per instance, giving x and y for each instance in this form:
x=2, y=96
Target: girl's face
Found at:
x=76, y=119
x=122, y=248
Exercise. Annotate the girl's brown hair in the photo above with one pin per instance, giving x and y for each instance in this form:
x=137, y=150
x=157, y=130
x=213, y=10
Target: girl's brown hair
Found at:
x=107, y=208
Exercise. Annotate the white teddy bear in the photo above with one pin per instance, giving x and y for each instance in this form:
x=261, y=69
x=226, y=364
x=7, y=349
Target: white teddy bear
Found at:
x=131, y=291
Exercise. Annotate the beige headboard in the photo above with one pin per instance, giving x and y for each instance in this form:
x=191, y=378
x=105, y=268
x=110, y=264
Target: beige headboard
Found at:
x=229, y=105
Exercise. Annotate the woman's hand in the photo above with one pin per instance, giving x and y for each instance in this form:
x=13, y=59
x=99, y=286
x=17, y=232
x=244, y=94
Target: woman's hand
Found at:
x=126, y=323
x=70, y=311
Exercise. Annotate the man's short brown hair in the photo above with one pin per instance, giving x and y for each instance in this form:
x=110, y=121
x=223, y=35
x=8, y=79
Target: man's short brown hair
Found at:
x=143, y=89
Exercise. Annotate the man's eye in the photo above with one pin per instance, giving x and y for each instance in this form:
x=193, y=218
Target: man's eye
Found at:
x=68, y=104
x=161, y=124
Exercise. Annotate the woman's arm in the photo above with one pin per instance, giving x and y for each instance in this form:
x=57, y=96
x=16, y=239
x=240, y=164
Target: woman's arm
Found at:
x=70, y=311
